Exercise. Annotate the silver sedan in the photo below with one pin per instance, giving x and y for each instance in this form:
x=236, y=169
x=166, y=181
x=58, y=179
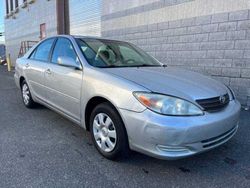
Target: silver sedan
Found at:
x=126, y=98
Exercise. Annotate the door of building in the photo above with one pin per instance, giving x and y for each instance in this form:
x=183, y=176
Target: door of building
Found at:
x=42, y=31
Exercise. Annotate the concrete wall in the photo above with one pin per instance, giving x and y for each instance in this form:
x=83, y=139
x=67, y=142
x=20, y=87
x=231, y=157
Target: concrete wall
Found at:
x=25, y=25
x=85, y=17
x=207, y=36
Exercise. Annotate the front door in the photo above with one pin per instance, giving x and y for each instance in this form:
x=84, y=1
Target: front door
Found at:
x=64, y=83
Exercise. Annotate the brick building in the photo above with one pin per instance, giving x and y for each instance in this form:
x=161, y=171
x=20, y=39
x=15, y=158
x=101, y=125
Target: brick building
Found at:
x=208, y=36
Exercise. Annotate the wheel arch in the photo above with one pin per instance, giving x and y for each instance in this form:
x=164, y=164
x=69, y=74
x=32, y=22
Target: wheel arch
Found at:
x=92, y=103
x=21, y=79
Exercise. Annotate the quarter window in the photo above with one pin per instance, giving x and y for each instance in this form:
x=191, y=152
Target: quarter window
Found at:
x=63, y=48
x=42, y=52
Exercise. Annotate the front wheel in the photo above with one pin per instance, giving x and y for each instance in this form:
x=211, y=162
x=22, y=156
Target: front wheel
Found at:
x=26, y=95
x=108, y=132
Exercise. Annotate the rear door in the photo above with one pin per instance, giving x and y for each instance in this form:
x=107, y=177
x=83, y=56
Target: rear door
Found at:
x=35, y=67
x=64, y=83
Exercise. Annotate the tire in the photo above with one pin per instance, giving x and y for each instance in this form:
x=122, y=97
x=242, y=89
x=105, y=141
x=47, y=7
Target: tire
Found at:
x=26, y=95
x=108, y=132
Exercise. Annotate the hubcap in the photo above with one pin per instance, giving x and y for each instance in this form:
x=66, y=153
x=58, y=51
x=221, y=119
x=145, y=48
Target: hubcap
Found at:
x=104, y=132
x=26, y=94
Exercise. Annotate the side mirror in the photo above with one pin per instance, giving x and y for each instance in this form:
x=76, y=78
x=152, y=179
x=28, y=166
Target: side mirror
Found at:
x=68, y=62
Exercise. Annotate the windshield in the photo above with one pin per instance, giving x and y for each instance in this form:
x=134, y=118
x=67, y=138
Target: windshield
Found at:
x=108, y=53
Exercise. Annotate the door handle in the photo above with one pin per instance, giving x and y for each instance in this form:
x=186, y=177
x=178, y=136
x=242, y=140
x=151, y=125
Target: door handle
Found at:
x=48, y=71
x=27, y=65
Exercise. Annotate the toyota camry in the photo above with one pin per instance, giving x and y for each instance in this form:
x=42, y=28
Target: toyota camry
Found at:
x=126, y=98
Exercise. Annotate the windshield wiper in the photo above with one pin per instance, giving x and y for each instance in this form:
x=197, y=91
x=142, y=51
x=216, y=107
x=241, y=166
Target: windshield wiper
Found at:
x=108, y=66
x=142, y=65
x=146, y=65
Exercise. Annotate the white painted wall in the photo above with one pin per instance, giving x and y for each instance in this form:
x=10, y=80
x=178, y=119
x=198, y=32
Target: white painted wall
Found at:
x=26, y=25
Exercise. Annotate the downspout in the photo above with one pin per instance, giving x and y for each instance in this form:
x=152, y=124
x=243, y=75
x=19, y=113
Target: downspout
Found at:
x=62, y=12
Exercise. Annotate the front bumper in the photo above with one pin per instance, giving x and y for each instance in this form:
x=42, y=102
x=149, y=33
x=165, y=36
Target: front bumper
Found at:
x=171, y=137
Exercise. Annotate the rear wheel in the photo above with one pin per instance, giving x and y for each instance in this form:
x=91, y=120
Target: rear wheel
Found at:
x=26, y=95
x=108, y=132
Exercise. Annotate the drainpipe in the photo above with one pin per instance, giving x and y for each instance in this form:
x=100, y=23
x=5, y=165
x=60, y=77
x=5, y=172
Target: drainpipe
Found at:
x=248, y=99
x=62, y=11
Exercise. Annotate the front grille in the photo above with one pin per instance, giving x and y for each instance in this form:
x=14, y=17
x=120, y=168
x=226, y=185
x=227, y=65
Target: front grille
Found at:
x=219, y=139
x=214, y=104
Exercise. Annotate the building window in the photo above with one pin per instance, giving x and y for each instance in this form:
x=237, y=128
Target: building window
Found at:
x=16, y=3
x=42, y=31
x=7, y=6
x=11, y=5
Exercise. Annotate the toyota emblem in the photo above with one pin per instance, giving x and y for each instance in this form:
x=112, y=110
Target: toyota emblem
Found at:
x=222, y=99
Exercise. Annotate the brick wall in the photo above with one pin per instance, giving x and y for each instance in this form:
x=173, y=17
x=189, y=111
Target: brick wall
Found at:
x=217, y=45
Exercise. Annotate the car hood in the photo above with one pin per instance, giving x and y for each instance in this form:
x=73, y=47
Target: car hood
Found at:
x=172, y=81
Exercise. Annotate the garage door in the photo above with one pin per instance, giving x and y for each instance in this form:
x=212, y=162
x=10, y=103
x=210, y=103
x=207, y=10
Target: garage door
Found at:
x=85, y=17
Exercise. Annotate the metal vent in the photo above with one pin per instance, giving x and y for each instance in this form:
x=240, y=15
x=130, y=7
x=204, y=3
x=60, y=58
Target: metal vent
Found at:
x=219, y=139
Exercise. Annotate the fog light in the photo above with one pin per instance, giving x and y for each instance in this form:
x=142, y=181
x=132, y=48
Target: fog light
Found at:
x=172, y=148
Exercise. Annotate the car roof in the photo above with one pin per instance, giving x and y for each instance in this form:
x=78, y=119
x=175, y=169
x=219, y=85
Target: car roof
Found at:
x=89, y=37
x=84, y=37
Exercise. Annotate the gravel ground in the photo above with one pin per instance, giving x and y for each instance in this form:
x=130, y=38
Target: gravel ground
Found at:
x=39, y=148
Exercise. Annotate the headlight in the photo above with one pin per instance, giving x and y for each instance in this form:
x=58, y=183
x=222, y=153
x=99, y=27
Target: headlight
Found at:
x=168, y=105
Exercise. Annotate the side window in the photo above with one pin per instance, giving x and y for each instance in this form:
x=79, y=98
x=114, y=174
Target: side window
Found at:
x=63, y=48
x=41, y=53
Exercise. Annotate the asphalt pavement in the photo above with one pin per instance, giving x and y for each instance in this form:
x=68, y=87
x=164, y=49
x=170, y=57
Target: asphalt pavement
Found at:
x=39, y=148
